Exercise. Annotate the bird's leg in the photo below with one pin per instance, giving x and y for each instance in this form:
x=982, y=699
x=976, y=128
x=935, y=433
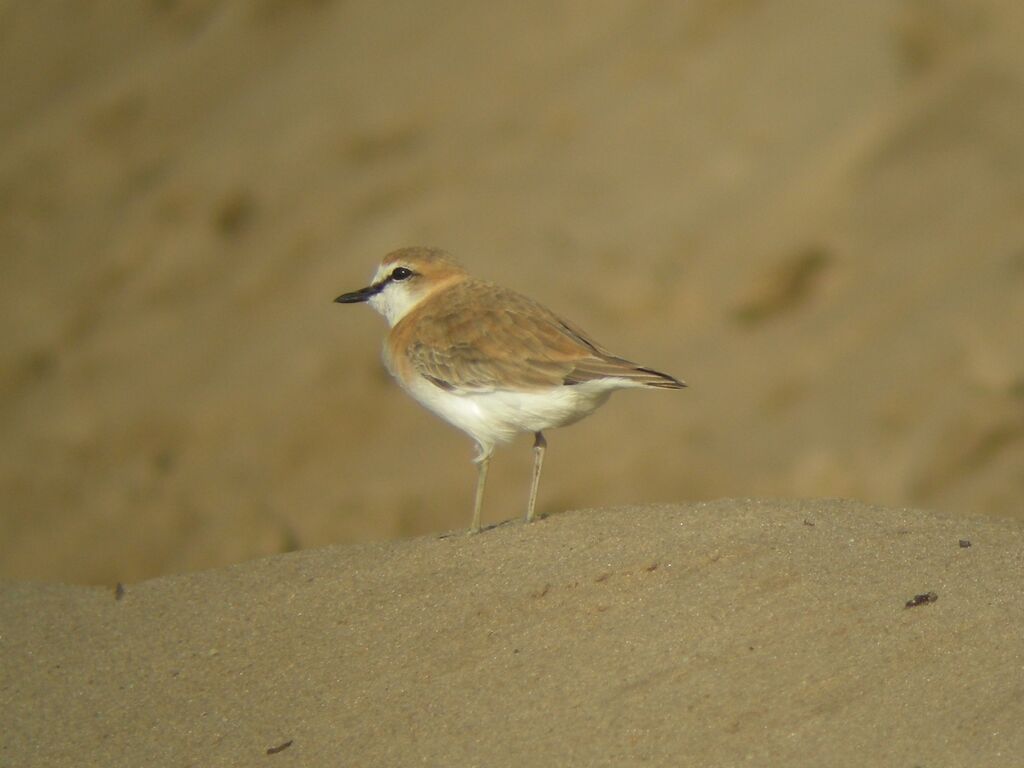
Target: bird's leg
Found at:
x=482, y=460
x=539, y=444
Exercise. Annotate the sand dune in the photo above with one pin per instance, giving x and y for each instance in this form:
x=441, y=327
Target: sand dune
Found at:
x=753, y=632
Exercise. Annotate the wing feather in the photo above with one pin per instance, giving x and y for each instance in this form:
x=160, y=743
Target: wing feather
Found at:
x=481, y=337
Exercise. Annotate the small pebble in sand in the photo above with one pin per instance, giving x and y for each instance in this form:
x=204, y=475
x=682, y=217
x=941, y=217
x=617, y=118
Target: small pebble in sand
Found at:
x=924, y=599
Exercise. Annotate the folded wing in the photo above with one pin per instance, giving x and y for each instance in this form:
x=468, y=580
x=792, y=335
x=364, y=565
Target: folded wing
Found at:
x=512, y=342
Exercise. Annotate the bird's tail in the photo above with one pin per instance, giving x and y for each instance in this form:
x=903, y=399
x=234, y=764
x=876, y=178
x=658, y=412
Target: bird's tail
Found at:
x=618, y=368
x=652, y=378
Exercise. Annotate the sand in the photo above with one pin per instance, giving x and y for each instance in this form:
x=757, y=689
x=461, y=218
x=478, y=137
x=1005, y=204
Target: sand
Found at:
x=733, y=632
x=811, y=212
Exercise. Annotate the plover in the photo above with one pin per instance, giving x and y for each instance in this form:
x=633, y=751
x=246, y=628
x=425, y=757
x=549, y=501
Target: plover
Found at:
x=490, y=361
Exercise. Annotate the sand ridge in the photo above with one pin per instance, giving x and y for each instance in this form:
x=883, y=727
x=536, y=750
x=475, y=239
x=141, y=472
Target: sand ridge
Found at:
x=769, y=632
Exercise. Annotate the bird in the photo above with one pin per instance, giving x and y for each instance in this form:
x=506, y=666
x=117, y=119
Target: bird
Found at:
x=489, y=360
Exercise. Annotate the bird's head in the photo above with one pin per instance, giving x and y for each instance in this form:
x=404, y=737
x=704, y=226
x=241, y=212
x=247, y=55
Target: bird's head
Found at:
x=405, y=278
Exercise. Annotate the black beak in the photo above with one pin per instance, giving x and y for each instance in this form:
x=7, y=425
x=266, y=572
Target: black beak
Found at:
x=363, y=294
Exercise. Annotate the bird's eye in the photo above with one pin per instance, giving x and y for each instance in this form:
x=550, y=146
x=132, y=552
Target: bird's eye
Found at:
x=401, y=273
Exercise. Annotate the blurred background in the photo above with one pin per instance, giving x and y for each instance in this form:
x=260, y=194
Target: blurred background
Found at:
x=811, y=212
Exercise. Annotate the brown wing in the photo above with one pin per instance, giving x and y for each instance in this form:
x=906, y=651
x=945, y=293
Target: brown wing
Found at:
x=482, y=337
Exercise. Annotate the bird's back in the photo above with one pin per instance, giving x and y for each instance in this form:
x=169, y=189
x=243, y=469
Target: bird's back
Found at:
x=475, y=336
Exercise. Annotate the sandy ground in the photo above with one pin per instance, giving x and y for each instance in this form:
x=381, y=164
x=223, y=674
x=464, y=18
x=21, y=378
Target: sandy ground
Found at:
x=811, y=212
x=726, y=633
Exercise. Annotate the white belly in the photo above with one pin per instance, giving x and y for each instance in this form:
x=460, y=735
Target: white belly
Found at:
x=495, y=417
